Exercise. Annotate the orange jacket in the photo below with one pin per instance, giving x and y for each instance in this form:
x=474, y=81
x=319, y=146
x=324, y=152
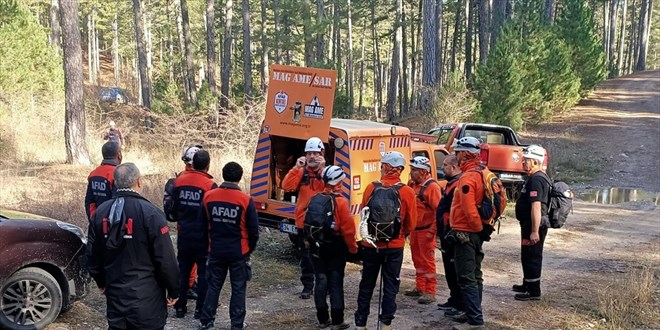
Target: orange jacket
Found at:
x=292, y=182
x=408, y=211
x=469, y=193
x=426, y=209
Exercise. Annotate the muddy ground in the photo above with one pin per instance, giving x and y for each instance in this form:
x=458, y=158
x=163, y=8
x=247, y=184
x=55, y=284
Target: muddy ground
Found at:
x=611, y=139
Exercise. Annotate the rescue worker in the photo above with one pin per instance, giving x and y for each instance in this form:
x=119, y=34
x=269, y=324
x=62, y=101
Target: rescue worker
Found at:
x=233, y=235
x=192, y=228
x=422, y=239
x=466, y=225
x=100, y=182
x=130, y=256
x=454, y=304
x=387, y=258
x=305, y=178
x=329, y=259
x=113, y=134
x=531, y=208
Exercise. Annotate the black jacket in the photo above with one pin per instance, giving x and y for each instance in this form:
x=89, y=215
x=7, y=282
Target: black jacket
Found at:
x=130, y=254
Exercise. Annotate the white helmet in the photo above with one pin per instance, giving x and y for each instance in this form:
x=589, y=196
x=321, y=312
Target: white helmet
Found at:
x=314, y=144
x=394, y=158
x=421, y=162
x=189, y=152
x=468, y=143
x=333, y=174
x=534, y=151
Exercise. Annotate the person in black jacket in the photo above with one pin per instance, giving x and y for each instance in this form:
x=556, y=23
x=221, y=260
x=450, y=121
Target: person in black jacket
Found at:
x=100, y=184
x=192, y=228
x=233, y=234
x=131, y=257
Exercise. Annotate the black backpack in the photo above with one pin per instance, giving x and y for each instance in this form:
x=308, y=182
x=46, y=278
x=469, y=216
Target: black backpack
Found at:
x=560, y=204
x=425, y=185
x=319, y=219
x=384, y=222
x=168, y=198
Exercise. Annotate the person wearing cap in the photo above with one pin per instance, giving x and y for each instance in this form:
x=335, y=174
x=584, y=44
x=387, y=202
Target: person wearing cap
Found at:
x=385, y=258
x=422, y=239
x=466, y=224
x=113, y=134
x=329, y=259
x=531, y=207
x=100, y=182
x=192, y=228
x=454, y=304
x=305, y=178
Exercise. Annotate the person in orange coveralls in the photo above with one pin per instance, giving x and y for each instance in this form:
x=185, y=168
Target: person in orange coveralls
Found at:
x=305, y=177
x=384, y=256
x=329, y=258
x=422, y=239
x=466, y=226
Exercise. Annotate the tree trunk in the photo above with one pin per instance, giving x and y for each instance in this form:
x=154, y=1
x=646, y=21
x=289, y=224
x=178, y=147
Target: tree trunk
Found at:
x=483, y=29
x=145, y=81
x=190, y=60
x=264, y=47
x=336, y=43
x=90, y=50
x=210, y=45
x=247, y=54
x=182, y=47
x=226, y=56
x=606, y=31
x=622, y=37
x=74, y=120
x=548, y=12
x=643, y=36
x=469, y=16
x=458, y=23
x=320, y=36
x=510, y=9
x=405, y=77
x=429, y=44
x=276, y=17
x=394, y=73
x=115, y=50
x=55, y=29
x=349, y=60
x=378, y=83
x=614, y=6
x=499, y=15
x=307, y=32
x=440, y=50
x=632, y=43
x=362, y=60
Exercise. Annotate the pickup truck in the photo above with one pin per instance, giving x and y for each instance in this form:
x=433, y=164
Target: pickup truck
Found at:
x=501, y=150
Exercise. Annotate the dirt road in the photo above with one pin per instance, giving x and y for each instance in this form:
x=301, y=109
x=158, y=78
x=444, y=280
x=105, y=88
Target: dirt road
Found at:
x=615, y=134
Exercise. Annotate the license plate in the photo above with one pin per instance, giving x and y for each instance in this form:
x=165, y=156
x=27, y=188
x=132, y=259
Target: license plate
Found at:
x=288, y=228
x=507, y=176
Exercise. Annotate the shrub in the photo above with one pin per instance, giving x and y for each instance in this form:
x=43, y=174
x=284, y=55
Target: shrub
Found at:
x=452, y=102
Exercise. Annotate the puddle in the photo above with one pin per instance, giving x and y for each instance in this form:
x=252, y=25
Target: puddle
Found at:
x=619, y=195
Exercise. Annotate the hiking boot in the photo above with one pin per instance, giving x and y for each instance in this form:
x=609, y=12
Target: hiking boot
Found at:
x=465, y=326
x=192, y=294
x=413, y=293
x=206, y=326
x=519, y=288
x=426, y=299
x=305, y=294
x=323, y=325
x=527, y=296
x=445, y=306
x=452, y=312
x=340, y=326
x=180, y=312
x=460, y=317
x=239, y=328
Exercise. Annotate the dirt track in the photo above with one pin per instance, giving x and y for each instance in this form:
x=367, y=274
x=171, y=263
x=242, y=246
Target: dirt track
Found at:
x=618, y=128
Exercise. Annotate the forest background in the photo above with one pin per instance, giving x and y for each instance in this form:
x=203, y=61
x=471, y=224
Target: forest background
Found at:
x=197, y=70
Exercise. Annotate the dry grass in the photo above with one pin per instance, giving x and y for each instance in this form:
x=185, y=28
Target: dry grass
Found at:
x=628, y=302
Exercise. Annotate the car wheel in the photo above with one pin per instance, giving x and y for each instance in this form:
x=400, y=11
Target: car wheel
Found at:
x=31, y=298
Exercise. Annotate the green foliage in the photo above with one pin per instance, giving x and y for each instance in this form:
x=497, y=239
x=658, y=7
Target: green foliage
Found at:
x=206, y=102
x=166, y=96
x=577, y=28
x=498, y=84
x=27, y=62
x=342, y=105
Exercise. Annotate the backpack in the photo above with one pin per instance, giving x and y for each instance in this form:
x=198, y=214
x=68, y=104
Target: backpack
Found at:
x=384, y=222
x=319, y=219
x=560, y=204
x=168, y=198
x=494, y=201
x=420, y=195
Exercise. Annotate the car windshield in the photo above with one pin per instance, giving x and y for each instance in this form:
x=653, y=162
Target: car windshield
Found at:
x=442, y=133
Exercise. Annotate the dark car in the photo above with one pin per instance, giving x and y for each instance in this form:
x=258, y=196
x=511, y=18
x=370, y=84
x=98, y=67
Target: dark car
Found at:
x=113, y=95
x=42, y=269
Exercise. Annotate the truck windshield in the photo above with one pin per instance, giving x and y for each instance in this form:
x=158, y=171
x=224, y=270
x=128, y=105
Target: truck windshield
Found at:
x=442, y=133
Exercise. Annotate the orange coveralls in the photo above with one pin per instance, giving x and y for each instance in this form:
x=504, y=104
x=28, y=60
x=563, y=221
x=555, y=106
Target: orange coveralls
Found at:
x=422, y=239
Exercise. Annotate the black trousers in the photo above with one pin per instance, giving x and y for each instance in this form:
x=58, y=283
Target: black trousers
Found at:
x=531, y=258
x=187, y=257
x=455, y=299
x=387, y=261
x=239, y=274
x=306, y=266
x=329, y=264
x=467, y=260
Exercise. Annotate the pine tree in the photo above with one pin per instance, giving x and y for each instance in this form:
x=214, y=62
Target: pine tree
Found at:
x=577, y=28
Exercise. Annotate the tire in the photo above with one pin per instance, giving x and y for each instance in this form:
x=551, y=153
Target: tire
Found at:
x=31, y=299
